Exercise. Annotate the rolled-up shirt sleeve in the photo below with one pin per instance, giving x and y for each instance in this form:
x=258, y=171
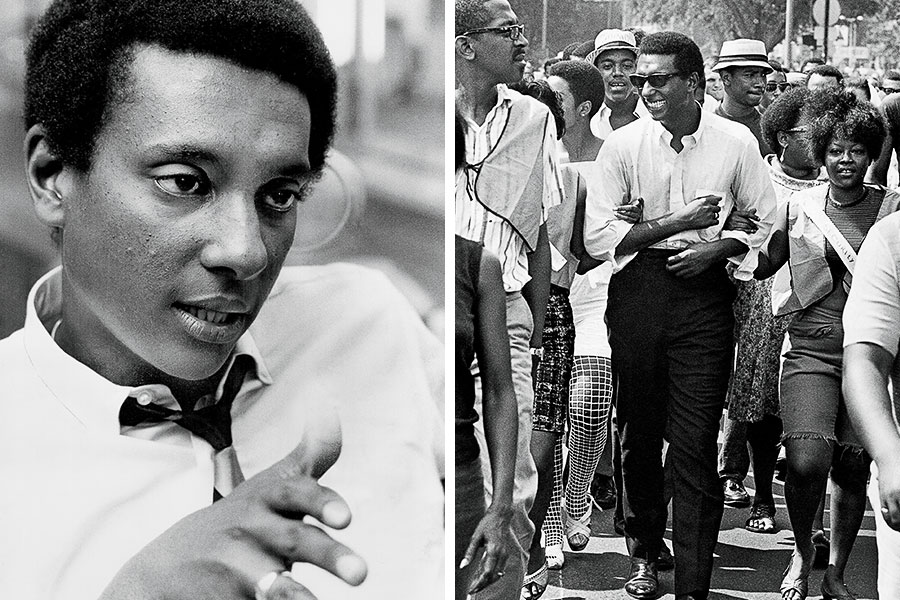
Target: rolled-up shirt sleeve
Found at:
x=603, y=230
x=752, y=190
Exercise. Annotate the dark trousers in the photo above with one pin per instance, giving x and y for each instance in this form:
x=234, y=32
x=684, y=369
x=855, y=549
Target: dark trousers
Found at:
x=672, y=350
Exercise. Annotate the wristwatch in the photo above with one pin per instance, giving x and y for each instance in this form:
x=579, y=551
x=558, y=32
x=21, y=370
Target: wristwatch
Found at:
x=539, y=352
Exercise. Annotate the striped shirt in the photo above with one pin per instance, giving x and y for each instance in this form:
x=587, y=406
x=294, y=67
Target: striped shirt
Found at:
x=474, y=222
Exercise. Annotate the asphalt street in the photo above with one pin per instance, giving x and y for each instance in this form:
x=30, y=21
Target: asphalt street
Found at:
x=747, y=565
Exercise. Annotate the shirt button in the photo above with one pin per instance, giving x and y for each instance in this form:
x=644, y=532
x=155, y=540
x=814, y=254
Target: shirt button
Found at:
x=144, y=398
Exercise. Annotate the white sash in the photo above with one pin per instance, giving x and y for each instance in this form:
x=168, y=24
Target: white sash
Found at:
x=831, y=233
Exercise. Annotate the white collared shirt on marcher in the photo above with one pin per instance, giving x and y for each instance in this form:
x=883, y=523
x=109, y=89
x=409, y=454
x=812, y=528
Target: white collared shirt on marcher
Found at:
x=343, y=362
x=637, y=161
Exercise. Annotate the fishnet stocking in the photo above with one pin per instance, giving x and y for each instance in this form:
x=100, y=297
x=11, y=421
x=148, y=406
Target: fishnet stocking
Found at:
x=590, y=396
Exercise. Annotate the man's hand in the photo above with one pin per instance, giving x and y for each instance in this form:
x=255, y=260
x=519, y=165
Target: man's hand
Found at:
x=495, y=536
x=889, y=491
x=693, y=261
x=699, y=213
x=632, y=212
x=742, y=220
x=222, y=551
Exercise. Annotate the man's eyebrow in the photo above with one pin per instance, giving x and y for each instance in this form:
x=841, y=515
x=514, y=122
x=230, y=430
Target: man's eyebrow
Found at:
x=182, y=151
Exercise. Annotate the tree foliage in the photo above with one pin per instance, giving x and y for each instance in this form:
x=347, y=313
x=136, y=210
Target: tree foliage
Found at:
x=714, y=22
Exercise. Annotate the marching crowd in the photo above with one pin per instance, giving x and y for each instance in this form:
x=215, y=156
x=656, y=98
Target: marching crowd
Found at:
x=644, y=238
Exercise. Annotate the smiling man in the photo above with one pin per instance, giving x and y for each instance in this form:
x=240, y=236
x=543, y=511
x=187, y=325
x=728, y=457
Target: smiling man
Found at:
x=669, y=310
x=615, y=55
x=175, y=396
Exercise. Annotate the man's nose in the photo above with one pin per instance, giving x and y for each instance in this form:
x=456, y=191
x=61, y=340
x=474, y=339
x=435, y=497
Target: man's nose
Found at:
x=234, y=241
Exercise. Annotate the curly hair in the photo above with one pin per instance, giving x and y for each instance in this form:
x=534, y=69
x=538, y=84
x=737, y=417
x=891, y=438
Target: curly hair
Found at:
x=584, y=79
x=688, y=58
x=541, y=90
x=80, y=54
x=826, y=71
x=783, y=114
x=470, y=14
x=840, y=114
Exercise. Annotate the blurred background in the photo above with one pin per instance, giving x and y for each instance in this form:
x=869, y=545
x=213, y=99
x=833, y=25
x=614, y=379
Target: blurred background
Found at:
x=862, y=34
x=381, y=201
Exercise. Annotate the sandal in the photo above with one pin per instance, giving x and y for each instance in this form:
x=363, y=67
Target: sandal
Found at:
x=578, y=531
x=555, y=557
x=794, y=589
x=761, y=519
x=535, y=584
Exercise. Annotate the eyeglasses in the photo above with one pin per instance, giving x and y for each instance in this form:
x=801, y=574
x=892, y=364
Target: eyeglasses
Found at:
x=513, y=32
x=772, y=86
x=656, y=80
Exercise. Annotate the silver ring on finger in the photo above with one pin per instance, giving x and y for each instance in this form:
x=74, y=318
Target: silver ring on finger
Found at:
x=265, y=583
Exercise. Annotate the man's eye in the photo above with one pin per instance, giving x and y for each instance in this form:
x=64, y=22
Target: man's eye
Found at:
x=606, y=66
x=182, y=184
x=282, y=199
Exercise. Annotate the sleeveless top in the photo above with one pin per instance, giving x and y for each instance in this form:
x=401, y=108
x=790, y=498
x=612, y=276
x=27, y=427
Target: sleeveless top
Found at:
x=468, y=266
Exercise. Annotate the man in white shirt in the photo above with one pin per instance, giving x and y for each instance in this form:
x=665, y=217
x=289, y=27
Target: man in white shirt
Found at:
x=502, y=196
x=669, y=311
x=615, y=55
x=169, y=358
x=871, y=339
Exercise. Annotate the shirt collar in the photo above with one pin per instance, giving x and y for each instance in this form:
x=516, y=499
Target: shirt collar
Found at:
x=91, y=398
x=640, y=110
x=689, y=141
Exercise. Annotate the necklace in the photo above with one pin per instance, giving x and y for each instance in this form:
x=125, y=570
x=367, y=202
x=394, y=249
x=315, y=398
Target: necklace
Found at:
x=865, y=193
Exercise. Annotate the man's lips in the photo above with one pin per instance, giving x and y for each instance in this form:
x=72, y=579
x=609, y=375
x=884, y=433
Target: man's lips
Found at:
x=215, y=320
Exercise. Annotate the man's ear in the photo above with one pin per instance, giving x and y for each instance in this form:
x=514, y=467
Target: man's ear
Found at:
x=584, y=109
x=463, y=47
x=46, y=180
x=783, y=139
x=693, y=81
x=725, y=74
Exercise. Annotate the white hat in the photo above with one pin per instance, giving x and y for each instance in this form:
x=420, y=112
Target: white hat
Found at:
x=743, y=53
x=612, y=39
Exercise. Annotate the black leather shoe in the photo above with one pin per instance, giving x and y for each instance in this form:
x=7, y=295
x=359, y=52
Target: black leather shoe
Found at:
x=603, y=492
x=735, y=494
x=666, y=561
x=643, y=580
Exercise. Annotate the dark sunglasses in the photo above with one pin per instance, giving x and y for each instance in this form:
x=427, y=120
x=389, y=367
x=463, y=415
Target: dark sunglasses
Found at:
x=512, y=32
x=656, y=80
x=772, y=86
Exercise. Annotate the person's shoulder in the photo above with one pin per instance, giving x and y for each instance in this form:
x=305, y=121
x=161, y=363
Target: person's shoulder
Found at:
x=332, y=286
x=889, y=227
x=11, y=349
x=725, y=130
x=631, y=133
x=528, y=105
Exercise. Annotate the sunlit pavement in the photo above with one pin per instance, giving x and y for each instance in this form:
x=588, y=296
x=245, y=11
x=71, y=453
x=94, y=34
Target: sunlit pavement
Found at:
x=747, y=565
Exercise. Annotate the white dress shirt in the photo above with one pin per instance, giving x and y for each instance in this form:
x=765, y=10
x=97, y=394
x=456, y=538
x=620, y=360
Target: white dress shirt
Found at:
x=343, y=362
x=637, y=161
